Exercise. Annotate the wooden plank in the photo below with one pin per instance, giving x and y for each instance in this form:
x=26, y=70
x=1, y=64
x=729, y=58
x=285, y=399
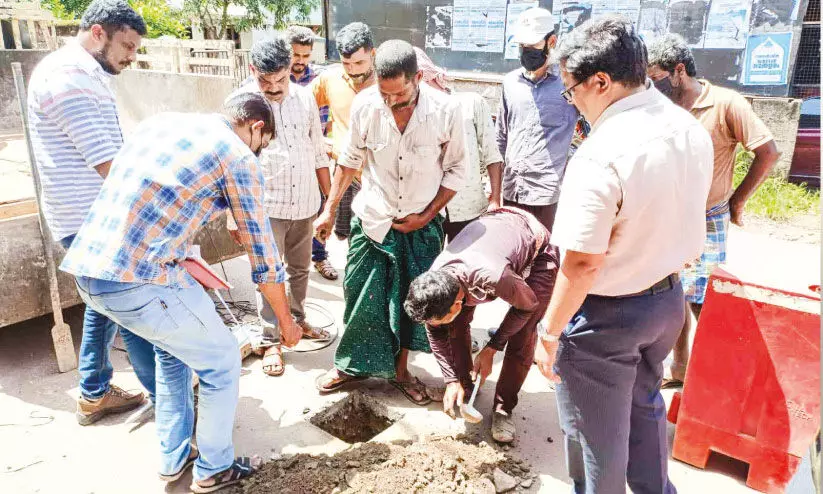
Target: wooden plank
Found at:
x=18, y=208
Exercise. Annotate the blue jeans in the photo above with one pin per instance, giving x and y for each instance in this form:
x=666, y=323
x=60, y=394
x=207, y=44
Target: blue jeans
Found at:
x=318, y=249
x=610, y=360
x=188, y=335
x=94, y=363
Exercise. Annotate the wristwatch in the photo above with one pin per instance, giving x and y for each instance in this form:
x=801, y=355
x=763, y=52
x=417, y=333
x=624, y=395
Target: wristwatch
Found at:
x=551, y=338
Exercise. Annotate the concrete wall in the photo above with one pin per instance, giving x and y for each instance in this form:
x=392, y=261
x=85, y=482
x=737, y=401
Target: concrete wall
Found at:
x=9, y=107
x=781, y=115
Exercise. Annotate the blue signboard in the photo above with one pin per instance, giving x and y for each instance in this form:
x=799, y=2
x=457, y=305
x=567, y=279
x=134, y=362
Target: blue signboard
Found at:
x=767, y=59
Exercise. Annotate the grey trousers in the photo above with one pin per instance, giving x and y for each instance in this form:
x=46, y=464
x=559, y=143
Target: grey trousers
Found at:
x=610, y=361
x=293, y=240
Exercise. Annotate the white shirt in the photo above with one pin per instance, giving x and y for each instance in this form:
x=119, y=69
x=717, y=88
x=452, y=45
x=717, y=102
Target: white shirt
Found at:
x=403, y=172
x=636, y=190
x=74, y=127
x=291, y=159
x=481, y=151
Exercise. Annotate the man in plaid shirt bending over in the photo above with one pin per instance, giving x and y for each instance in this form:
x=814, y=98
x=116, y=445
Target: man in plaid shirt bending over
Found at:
x=175, y=174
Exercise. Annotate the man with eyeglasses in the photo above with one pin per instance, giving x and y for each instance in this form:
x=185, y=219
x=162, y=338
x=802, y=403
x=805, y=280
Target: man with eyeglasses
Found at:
x=534, y=123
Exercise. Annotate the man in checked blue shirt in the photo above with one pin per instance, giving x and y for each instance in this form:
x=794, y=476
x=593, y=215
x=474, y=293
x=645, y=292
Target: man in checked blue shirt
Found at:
x=175, y=174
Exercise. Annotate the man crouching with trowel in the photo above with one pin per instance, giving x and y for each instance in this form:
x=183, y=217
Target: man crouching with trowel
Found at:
x=504, y=253
x=177, y=172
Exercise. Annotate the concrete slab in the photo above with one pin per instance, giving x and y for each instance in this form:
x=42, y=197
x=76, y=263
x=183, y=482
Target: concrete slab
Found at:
x=56, y=455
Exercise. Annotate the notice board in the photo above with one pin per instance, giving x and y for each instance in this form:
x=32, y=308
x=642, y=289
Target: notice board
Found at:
x=748, y=45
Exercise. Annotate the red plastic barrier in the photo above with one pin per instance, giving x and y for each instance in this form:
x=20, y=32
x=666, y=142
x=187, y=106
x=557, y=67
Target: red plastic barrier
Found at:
x=753, y=382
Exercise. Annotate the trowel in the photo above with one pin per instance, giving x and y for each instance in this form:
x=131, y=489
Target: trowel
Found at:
x=467, y=410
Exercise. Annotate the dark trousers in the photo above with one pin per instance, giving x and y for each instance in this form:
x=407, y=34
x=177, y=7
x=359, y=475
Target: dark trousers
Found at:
x=610, y=361
x=544, y=214
x=318, y=249
x=520, y=347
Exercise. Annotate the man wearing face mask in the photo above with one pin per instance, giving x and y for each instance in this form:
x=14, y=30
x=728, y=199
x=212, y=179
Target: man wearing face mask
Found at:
x=75, y=134
x=179, y=171
x=631, y=215
x=296, y=168
x=534, y=124
x=730, y=120
x=336, y=88
x=407, y=138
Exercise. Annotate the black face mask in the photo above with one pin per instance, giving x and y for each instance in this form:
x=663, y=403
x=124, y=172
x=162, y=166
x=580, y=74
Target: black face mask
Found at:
x=533, y=58
x=665, y=86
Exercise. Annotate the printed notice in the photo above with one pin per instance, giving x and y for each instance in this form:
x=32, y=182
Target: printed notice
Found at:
x=478, y=25
x=515, y=9
x=439, y=26
x=628, y=8
x=767, y=59
x=728, y=24
x=653, y=20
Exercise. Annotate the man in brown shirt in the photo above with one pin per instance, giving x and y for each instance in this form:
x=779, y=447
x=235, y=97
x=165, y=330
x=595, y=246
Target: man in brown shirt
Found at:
x=504, y=253
x=730, y=121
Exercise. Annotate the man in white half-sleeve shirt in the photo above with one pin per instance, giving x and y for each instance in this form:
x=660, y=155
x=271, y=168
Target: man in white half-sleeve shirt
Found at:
x=631, y=215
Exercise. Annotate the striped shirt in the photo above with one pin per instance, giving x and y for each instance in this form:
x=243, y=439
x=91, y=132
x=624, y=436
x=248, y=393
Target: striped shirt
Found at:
x=74, y=128
x=311, y=72
x=175, y=174
x=292, y=158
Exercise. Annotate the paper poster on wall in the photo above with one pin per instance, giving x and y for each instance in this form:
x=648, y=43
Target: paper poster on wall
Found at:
x=438, y=26
x=653, y=21
x=687, y=18
x=628, y=8
x=570, y=14
x=767, y=59
x=479, y=25
x=514, y=11
x=728, y=24
x=774, y=14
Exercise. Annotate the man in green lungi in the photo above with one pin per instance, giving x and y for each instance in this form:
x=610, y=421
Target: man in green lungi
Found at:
x=407, y=139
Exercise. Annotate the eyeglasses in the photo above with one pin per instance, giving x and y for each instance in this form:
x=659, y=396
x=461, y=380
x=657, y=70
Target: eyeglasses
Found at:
x=568, y=93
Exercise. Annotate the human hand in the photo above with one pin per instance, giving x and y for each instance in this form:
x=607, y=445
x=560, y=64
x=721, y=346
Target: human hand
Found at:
x=494, y=203
x=453, y=396
x=483, y=365
x=545, y=356
x=323, y=225
x=736, y=207
x=410, y=223
x=290, y=333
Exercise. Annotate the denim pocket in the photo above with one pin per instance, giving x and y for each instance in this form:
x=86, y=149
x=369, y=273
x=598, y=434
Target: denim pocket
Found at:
x=151, y=320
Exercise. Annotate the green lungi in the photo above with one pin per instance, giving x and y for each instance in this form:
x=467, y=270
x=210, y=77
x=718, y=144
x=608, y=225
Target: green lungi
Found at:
x=375, y=286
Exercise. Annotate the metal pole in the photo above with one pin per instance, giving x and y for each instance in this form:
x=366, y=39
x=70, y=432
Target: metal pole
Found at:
x=60, y=332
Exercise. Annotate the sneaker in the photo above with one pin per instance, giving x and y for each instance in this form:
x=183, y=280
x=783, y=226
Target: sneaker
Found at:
x=116, y=400
x=503, y=428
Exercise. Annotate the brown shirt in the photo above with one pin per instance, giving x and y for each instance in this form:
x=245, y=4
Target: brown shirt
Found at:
x=730, y=120
x=492, y=258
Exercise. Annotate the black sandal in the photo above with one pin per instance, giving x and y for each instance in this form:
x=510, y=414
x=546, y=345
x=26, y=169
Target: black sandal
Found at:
x=193, y=454
x=239, y=470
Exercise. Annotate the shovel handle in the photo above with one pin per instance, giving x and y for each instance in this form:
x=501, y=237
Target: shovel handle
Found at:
x=474, y=391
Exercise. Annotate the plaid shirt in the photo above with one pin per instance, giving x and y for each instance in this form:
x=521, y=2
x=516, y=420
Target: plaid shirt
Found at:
x=173, y=175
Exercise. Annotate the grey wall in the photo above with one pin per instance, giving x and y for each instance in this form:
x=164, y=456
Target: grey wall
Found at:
x=9, y=107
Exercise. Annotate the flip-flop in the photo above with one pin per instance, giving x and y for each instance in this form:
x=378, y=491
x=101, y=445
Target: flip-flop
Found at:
x=344, y=379
x=193, y=454
x=416, y=384
x=274, y=353
x=671, y=384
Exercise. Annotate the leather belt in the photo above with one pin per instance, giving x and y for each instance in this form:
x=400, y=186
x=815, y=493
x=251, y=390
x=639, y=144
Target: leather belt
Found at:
x=661, y=286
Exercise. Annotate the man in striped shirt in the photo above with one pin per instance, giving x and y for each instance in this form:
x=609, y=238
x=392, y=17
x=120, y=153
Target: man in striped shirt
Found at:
x=296, y=168
x=176, y=173
x=75, y=134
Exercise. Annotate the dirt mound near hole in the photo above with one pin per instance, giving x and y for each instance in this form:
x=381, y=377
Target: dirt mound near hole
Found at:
x=436, y=465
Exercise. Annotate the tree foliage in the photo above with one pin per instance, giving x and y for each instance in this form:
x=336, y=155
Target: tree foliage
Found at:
x=215, y=15
x=161, y=19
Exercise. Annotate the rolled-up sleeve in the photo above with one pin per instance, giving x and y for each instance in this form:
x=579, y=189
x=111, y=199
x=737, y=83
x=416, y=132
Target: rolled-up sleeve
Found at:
x=589, y=202
x=454, y=151
x=354, y=156
x=244, y=192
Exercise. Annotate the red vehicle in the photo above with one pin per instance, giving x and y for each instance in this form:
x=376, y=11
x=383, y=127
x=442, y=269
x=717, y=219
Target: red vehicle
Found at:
x=806, y=160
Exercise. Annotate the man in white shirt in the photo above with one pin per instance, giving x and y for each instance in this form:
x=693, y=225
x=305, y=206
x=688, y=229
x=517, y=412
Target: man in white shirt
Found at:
x=631, y=215
x=407, y=138
x=296, y=169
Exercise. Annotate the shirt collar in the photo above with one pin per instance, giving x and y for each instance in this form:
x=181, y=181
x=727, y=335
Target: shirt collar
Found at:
x=307, y=76
x=706, y=98
x=554, y=71
x=86, y=61
x=633, y=101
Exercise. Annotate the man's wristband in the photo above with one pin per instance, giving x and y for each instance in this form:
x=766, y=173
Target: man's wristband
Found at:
x=551, y=338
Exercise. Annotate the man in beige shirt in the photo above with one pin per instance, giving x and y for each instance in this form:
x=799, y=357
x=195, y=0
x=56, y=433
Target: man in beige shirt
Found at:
x=407, y=139
x=730, y=121
x=631, y=214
